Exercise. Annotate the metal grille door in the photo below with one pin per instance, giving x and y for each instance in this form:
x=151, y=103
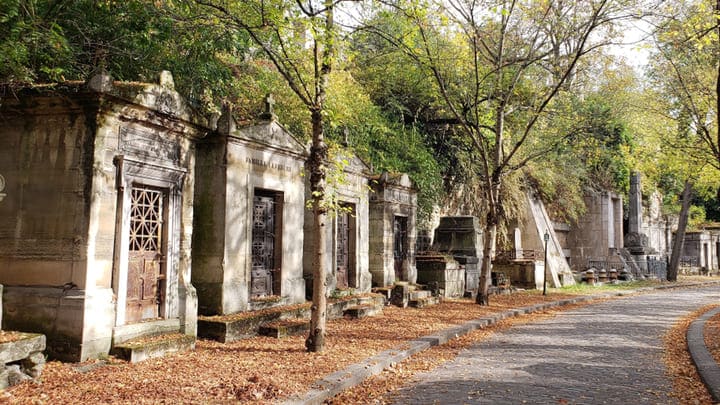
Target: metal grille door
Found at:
x=263, y=246
x=400, y=248
x=342, y=249
x=144, y=289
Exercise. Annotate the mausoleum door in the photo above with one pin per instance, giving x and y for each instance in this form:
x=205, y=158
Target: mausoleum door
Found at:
x=145, y=289
x=400, y=248
x=342, y=249
x=263, y=246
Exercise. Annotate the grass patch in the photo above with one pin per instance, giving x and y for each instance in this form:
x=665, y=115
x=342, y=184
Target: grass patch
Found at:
x=584, y=288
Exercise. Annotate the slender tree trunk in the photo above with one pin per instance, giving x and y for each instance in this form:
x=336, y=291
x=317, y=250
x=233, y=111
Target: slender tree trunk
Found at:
x=489, y=239
x=315, y=341
x=672, y=271
x=489, y=242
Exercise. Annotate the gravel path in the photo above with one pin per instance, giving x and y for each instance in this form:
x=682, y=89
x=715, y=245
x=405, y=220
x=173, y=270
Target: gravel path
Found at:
x=605, y=353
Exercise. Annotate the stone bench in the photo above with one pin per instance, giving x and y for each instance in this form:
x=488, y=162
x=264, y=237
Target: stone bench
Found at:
x=22, y=357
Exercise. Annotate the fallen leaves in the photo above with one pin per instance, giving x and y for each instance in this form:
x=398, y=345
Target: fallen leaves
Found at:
x=687, y=386
x=10, y=336
x=263, y=369
x=260, y=369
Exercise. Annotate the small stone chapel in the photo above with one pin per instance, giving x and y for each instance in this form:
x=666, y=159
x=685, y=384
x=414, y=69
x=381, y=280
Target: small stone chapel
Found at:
x=96, y=219
x=393, y=215
x=248, y=227
x=348, y=231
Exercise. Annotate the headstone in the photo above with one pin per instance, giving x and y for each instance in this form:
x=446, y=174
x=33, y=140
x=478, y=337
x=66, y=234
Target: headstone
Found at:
x=517, y=239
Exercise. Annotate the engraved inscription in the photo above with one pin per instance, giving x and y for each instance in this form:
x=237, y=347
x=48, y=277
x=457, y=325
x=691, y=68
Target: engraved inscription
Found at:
x=148, y=144
x=268, y=164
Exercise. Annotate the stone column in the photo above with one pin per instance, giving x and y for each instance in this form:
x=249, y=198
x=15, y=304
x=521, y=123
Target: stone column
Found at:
x=635, y=214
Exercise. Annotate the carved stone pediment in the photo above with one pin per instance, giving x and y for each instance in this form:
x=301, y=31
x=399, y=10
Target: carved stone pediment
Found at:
x=270, y=134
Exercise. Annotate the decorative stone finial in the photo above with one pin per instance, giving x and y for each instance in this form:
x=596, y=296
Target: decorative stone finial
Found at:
x=226, y=122
x=346, y=135
x=165, y=79
x=269, y=113
x=101, y=82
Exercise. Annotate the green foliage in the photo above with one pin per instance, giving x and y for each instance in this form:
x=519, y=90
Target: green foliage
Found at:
x=50, y=41
x=599, y=142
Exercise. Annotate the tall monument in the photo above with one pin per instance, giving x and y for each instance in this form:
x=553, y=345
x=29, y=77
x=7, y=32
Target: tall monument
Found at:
x=636, y=241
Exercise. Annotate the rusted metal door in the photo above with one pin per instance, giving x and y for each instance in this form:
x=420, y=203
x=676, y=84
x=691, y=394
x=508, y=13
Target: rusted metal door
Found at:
x=342, y=249
x=145, y=289
x=400, y=245
x=263, y=246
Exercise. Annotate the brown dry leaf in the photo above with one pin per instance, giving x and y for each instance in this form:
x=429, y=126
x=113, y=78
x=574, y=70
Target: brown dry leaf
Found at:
x=263, y=369
x=687, y=386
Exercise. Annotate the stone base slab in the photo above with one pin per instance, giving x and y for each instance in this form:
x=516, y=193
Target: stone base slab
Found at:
x=22, y=359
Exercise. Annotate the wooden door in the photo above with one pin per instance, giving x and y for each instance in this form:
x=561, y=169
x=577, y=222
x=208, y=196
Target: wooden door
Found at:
x=145, y=287
x=342, y=249
x=263, y=246
x=400, y=248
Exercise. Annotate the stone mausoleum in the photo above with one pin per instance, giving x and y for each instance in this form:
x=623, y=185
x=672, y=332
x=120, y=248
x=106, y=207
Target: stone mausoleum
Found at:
x=250, y=200
x=96, y=221
x=598, y=234
x=348, y=231
x=393, y=213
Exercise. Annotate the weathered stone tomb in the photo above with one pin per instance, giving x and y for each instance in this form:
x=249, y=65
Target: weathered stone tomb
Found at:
x=96, y=223
x=347, y=231
x=701, y=250
x=248, y=228
x=393, y=212
x=597, y=236
x=460, y=238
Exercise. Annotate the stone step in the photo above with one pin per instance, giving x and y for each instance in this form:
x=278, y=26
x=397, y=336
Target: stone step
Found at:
x=140, y=349
x=284, y=328
x=372, y=300
x=243, y=325
x=419, y=294
x=384, y=291
x=361, y=311
x=424, y=302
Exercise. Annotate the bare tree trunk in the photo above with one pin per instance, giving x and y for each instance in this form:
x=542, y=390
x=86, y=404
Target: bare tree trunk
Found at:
x=315, y=341
x=489, y=239
x=489, y=242
x=672, y=271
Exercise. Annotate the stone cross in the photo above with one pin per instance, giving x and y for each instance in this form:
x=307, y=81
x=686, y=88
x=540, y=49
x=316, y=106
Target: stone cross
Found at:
x=269, y=112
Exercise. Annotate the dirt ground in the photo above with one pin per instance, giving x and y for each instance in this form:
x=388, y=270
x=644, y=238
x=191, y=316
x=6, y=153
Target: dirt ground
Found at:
x=262, y=369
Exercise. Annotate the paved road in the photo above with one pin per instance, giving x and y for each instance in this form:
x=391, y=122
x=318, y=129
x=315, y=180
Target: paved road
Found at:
x=605, y=353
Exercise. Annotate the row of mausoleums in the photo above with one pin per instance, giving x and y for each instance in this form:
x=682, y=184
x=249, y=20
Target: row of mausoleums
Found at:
x=127, y=213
